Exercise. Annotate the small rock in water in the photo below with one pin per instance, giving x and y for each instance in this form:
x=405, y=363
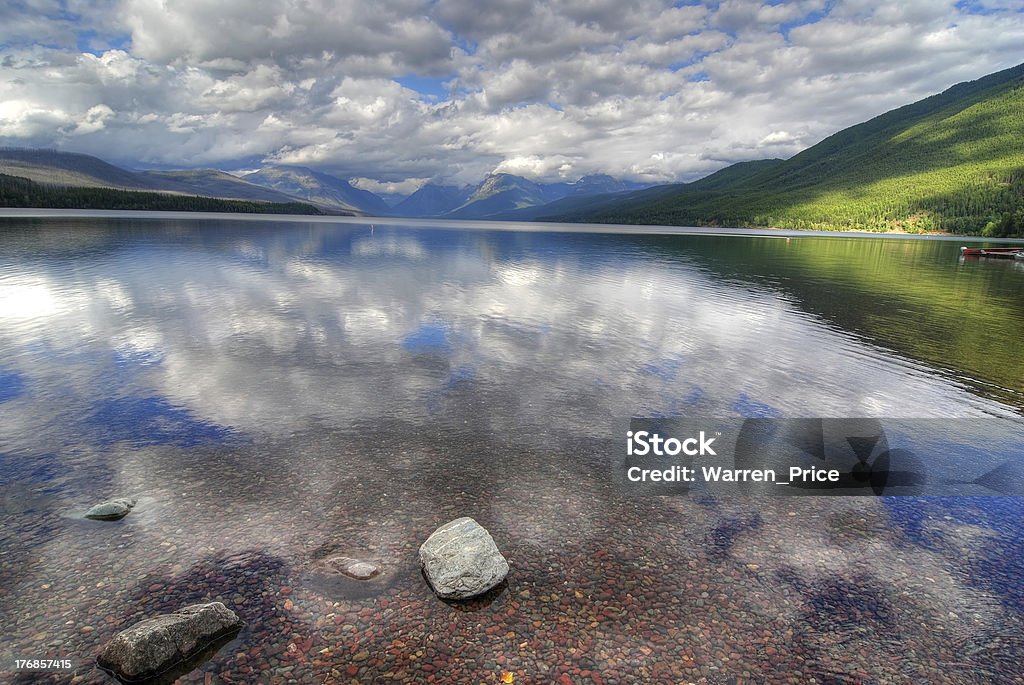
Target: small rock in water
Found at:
x=461, y=560
x=163, y=648
x=112, y=510
x=341, y=576
x=357, y=569
x=354, y=568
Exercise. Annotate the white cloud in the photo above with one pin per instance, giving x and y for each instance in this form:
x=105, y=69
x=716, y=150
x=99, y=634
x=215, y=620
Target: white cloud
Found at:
x=406, y=186
x=95, y=120
x=21, y=119
x=535, y=166
x=635, y=88
x=385, y=34
x=262, y=87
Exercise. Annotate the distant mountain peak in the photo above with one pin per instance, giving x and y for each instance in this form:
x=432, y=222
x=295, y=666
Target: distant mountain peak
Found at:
x=319, y=188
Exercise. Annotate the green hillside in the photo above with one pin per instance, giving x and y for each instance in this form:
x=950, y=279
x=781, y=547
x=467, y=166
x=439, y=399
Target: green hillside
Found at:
x=951, y=162
x=70, y=169
x=22, y=192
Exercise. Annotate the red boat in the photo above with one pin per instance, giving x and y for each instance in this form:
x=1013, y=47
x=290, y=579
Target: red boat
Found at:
x=1007, y=252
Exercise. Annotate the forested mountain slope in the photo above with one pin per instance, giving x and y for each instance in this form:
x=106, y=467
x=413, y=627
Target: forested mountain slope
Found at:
x=951, y=162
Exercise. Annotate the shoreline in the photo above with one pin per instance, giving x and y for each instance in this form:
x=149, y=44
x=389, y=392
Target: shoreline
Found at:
x=497, y=225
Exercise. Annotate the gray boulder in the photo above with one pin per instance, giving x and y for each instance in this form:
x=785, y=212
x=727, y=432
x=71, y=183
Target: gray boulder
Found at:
x=169, y=645
x=461, y=560
x=112, y=510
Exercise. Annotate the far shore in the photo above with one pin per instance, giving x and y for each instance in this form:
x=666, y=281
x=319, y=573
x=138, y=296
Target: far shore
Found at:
x=471, y=224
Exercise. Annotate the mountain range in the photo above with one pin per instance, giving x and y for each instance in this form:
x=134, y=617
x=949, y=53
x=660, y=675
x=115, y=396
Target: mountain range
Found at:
x=951, y=162
x=503, y=196
x=50, y=167
x=496, y=196
x=319, y=189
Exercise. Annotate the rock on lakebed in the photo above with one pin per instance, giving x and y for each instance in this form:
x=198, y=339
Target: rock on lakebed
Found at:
x=162, y=648
x=460, y=560
x=111, y=510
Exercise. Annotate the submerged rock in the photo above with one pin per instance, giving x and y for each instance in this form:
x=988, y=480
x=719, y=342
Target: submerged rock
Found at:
x=163, y=648
x=460, y=560
x=355, y=568
x=340, y=576
x=112, y=510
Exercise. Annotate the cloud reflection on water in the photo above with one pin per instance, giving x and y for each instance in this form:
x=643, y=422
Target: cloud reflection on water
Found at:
x=318, y=386
x=337, y=330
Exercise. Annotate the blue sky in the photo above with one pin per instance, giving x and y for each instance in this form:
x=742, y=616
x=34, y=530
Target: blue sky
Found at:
x=397, y=92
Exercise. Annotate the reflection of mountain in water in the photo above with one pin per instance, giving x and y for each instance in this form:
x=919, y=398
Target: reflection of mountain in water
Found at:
x=911, y=296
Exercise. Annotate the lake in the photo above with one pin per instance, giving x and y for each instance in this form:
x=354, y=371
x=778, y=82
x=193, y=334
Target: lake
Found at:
x=279, y=393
